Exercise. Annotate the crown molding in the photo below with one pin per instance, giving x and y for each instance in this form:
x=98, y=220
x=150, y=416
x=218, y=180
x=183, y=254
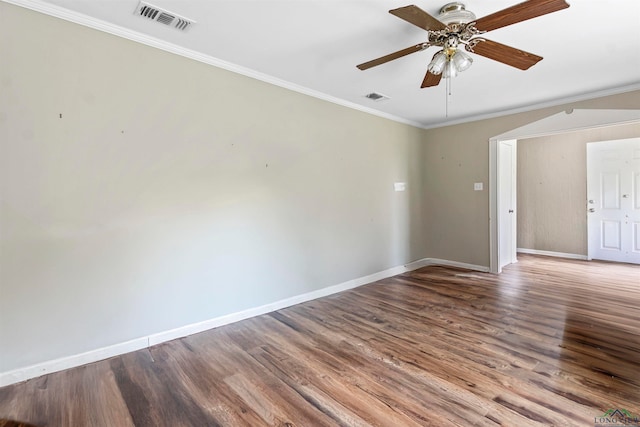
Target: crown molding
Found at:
x=538, y=106
x=116, y=30
x=100, y=25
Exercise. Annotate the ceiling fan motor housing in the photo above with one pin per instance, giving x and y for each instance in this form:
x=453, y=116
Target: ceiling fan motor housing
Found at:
x=455, y=13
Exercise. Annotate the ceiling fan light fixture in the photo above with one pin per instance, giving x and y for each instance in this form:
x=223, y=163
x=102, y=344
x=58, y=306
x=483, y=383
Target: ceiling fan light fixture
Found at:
x=450, y=70
x=437, y=64
x=461, y=60
x=455, y=26
x=450, y=64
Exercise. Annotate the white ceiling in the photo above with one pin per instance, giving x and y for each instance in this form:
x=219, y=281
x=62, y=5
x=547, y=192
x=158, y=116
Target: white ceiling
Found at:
x=593, y=47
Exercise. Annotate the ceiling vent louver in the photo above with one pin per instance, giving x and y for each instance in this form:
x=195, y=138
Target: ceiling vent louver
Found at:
x=375, y=96
x=162, y=16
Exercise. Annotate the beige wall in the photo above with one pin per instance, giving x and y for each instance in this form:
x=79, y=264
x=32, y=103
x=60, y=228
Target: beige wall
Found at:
x=142, y=191
x=456, y=219
x=552, y=188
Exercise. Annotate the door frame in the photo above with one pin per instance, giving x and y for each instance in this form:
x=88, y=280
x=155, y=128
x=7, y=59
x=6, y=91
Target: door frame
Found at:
x=502, y=206
x=563, y=122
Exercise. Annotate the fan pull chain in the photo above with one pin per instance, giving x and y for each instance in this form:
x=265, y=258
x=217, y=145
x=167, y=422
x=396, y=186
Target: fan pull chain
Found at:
x=447, y=96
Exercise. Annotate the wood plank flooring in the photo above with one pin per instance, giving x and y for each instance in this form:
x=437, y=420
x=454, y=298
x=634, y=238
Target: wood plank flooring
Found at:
x=549, y=342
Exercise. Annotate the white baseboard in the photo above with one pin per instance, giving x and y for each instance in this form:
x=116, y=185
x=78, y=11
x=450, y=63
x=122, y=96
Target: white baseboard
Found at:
x=194, y=328
x=551, y=253
x=33, y=371
x=481, y=268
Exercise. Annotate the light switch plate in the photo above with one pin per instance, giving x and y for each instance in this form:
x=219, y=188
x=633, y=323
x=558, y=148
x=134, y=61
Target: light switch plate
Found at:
x=477, y=186
x=399, y=186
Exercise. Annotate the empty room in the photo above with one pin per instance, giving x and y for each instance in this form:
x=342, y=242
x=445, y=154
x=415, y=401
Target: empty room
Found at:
x=314, y=213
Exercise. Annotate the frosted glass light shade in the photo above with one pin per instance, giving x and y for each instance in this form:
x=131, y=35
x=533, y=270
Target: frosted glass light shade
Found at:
x=449, y=70
x=438, y=63
x=461, y=61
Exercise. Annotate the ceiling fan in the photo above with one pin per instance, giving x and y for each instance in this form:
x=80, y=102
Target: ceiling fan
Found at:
x=456, y=26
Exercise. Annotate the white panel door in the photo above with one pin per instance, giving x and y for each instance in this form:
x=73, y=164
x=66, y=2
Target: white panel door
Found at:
x=613, y=200
x=507, y=230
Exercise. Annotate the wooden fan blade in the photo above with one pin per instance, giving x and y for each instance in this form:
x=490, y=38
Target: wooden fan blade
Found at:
x=503, y=53
x=391, y=56
x=431, y=80
x=520, y=12
x=418, y=17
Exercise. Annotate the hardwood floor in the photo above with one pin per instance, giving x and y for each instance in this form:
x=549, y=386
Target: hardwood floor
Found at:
x=549, y=342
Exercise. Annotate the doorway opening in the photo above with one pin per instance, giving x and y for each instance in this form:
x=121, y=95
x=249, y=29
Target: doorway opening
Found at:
x=568, y=121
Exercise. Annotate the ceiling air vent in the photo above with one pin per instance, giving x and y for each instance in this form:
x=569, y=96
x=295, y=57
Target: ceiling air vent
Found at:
x=375, y=96
x=163, y=16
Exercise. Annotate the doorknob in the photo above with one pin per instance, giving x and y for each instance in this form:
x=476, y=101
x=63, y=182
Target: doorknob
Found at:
x=510, y=210
x=592, y=210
